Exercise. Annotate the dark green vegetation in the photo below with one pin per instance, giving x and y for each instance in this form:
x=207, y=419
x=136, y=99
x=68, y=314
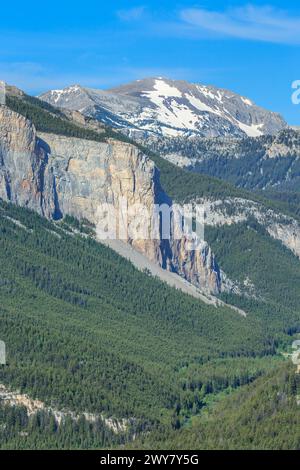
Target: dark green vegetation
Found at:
x=46, y=118
x=247, y=253
x=288, y=201
x=262, y=415
x=245, y=250
x=184, y=186
x=18, y=430
x=254, y=172
x=246, y=165
x=85, y=331
x=243, y=162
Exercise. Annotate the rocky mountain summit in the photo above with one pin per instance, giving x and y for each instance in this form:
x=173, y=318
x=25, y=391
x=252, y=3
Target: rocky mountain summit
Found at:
x=169, y=108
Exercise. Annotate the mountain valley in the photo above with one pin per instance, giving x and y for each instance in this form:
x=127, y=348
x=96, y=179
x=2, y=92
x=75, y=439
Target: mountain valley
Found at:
x=88, y=333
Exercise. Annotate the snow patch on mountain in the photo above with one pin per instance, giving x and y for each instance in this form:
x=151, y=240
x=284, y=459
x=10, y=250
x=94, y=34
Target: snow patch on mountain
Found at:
x=251, y=131
x=170, y=108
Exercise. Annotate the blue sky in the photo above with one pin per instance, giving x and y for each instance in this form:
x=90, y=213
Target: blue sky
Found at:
x=252, y=48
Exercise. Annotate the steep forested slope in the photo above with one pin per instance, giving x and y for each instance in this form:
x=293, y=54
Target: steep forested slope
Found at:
x=246, y=251
x=263, y=415
x=264, y=162
x=85, y=331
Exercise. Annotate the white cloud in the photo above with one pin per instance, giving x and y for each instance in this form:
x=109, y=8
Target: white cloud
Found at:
x=131, y=14
x=250, y=22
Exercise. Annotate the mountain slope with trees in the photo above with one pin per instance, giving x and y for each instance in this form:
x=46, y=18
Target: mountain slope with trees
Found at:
x=85, y=331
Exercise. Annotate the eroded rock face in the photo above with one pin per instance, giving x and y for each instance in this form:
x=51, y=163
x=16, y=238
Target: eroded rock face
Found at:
x=56, y=175
x=22, y=163
x=90, y=173
x=199, y=267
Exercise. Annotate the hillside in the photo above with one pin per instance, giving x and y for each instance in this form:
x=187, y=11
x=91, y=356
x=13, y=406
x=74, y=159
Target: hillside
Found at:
x=185, y=186
x=261, y=416
x=85, y=331
x=262, y=163
x=50, y=119
x=94, y=340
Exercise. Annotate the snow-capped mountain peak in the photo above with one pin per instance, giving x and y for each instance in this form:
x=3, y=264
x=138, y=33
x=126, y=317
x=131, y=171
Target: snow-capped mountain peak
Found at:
x=172, y=108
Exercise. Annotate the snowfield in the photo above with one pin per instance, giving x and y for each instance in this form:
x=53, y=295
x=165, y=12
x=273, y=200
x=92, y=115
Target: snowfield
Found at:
x=170, y=108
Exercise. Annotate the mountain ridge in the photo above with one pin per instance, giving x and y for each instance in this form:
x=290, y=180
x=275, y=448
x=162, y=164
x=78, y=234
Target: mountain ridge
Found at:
x=164, y=107
x=259, y=163
x=225, y=204
x=114, y=339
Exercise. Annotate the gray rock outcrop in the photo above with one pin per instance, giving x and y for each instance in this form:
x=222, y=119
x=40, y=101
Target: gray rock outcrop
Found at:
x=56, y=175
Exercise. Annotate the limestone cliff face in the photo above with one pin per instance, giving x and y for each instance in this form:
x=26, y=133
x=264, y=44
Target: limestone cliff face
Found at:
x=22, y=162
x=56, y=175
x=199, y=267
x=288, y=233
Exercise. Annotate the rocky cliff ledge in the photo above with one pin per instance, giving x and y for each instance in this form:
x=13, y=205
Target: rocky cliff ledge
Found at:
x=56, y=175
